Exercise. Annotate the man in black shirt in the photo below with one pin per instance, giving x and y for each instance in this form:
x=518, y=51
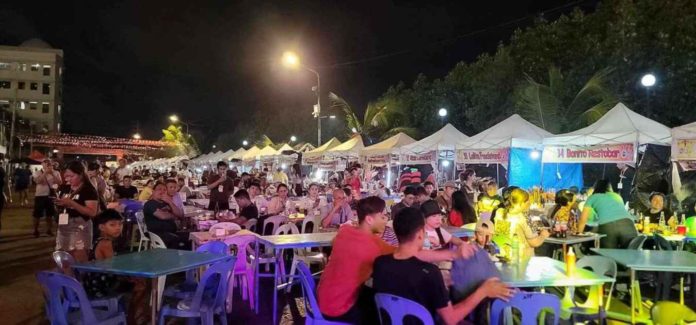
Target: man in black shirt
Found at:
x=126, y=191
x=247, y=209
x=403, y=274
x=407, y=201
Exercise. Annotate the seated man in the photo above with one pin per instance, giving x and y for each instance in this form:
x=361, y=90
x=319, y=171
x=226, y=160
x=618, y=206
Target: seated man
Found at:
x=184, y=188
x=407, y=201
x=340, y=211
x=247, y=209
x=125, y=191
x=405, y=275
x=341, y=294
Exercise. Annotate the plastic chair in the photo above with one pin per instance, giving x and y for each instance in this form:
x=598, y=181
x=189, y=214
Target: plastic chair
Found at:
x=57, y=288
x=157, y=242
x=305, y=255
x=205, y=304
x=64, y=262
x=664, y=279
x=243, y=270
x=224, y=225
x=637, y=242
x=250, y=225
x=670, y=313
x=276, y=221
x=187, y=288
x=311, y=224
x=530, y=305
x=312, y=313
x=589, y=309
x=142, y=230
x=398, y=308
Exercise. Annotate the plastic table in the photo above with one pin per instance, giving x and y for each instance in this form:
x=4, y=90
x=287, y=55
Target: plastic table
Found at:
x=463, y=231
x=539, y=272
x=572, y=240
x=278, y=243
x=151, y=264
x=654, y=261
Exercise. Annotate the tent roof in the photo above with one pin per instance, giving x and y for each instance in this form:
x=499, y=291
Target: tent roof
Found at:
x=251, y=154
x=304, y=147
x=389, y=145
x=513, y=131
x=267, y=151
x=284, y=148
x=239, y=153
x=350, y=147
x=446, y=138
x=619, y=125
x=687, y=131
x=324, y=147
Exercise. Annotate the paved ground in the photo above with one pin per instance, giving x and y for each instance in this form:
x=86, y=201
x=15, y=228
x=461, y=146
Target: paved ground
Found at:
x=22, y=255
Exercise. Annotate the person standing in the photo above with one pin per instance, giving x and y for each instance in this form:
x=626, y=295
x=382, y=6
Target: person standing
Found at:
x=125, y=191
x=280, y=177
x=121, y=171
x=625, y=183
x=607, y=208
x=445, y=198
x=22, y=178
x=47, y=181
x=221, y=187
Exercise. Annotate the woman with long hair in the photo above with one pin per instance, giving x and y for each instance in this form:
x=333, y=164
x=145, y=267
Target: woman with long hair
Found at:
x=516, y=216
x=607, y=208
x=279, y=202
x=468, y=178
x=79, y=203
x=563, y=211
x=462, y=211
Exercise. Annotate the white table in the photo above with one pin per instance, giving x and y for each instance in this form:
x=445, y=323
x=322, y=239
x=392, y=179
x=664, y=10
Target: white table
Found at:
x=572, y=240
x=278, y=243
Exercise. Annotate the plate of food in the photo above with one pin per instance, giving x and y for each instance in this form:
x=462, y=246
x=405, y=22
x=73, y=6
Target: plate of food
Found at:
x=584, y=234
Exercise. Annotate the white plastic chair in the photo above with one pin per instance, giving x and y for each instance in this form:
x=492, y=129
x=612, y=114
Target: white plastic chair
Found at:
x=224, y=225
x=250, y=225
x=314, y=221
x=142, y=230
x=276, y=221
x=243, y=270
x=157, y=242
x=304, y=254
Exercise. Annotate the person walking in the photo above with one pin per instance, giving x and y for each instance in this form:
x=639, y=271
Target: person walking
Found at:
x=47, y=181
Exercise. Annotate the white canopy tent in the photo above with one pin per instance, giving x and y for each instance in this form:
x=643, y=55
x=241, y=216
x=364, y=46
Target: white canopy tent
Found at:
x=348, y=149
x=447, y=138
x=618, y=126
x=305, y=147
x=513, y=131
x=284, y=147
x=318, y=152
x=388, y=146
x=251, y=155
x=237, y=155
x=267, y=151
x=684, y=142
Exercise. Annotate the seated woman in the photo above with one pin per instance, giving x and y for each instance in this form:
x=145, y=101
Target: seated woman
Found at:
x=159, y=219
x=657, y=208
x=462, y=212
x=608, y=209
x=516, y=216
x=279, y=202
x=564, y=211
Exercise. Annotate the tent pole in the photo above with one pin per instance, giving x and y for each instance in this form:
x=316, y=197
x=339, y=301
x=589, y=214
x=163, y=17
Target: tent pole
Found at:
x=497, y=173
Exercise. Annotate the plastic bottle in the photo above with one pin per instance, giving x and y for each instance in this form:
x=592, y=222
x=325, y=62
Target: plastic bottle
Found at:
x=661, y=224
x=514, y=249
x=570, y=262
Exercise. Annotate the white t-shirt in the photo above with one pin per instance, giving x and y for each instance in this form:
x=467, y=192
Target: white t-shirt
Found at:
x=308, y=204
x=51, y=179
x=120, y=172
x=433, y=241
x=260, y=202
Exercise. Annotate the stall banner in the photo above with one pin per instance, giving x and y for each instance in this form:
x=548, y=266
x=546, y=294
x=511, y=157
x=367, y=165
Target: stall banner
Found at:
x=376, y=159
x=419, y=159
x=684, y=149
x=486, y=156
x=311, y=160
x=610, y=153
x=328, y=165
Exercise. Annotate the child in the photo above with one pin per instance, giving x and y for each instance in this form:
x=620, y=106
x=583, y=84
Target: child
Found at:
x=435, y=236
x=489, y=202
x=482, y=236
x=98, y=285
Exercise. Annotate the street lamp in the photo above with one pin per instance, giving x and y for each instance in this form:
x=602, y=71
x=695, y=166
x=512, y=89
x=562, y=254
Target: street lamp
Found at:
x=442, y=112
x=648, y=81
x=292, y=61
x=175, y=119
x=245, y=143
x=293, y=138
x=137, y=136
x=214, y=146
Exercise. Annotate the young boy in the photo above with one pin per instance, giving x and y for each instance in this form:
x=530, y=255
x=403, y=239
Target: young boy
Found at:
x=97, y=285
x=483, y=237
x=435, y=236
x=405, y=275
x=489, y=202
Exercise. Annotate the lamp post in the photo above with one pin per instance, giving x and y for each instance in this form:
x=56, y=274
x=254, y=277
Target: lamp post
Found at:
x=175, y=119
x=137, y=136
x=291, y=60
x=293, y=138
x=648, y=81
x=442, y=112
x=245, y=143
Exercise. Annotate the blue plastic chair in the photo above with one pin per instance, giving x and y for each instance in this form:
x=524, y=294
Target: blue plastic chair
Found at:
x=530, y=305
x=64, y=262
x=313, y=315
x=187, y=288
x=205, y=304
x=57, y=288
x=398, y=308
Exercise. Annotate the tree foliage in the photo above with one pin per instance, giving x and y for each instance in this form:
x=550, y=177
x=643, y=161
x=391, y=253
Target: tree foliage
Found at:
x=185, y=143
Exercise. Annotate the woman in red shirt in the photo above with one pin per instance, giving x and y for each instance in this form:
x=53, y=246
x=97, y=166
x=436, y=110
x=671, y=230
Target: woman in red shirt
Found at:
x=462, y=212
x=354, y=182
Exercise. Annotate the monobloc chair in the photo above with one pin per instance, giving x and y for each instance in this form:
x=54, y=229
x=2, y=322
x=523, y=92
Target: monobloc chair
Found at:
x=64, y=262
x=142, y=230
x=311, y=224
x=530, y=305
x=670, y=313
x=224, y=225
x=275, y=221
x=243, y=270
x=57, y=290
x=306, y=255
x=590, y=308
x=187, y=288
x=312, y=313
x=205, y=304
x=157, y=242
x=250, y=225
x=398, y=308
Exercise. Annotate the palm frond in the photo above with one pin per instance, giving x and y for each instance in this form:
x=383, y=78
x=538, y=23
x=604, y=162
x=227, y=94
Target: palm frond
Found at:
x=411, y=132
x=537, y=103
x=352, y=120
x=594, y=113
x=594, y=92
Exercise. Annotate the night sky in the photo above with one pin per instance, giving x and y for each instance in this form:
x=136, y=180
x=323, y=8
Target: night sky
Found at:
x=131, y=63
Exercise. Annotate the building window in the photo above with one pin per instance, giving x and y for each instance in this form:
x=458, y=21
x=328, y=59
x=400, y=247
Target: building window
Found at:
x=59, y=109
x=34, y=67
x=46, y=89
x=23, y=67
x=5, y=84
x=33, y=105
x=5, y=66
x=44, y=108
x=47, y=70
x=34, y=86
x=21, y=85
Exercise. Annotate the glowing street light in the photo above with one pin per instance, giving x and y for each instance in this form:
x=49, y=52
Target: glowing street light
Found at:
x=137, y=136
x=173, y=118
x=245, y=143
x=293, y=138
x=291, y=60
x=354, y=130
x=332, y=116
x=648, y=80
x=214, y=146
x=442, y=112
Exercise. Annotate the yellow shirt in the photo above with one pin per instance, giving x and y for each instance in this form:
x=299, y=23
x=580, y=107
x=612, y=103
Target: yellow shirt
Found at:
x=145, y=194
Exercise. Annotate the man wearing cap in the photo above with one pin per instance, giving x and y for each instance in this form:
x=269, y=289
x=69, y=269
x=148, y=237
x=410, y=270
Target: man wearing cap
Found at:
x=445, y=198
x=435, y=236
x=483, y=236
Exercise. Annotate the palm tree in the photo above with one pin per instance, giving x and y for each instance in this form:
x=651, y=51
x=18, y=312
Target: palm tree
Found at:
x=545, y=105
x=378, y=123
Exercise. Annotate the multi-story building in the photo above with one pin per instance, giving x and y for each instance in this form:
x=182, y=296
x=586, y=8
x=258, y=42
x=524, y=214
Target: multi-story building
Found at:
x=31, y=81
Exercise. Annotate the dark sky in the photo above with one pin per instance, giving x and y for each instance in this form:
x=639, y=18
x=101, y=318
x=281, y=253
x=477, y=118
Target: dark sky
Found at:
x=214, y=62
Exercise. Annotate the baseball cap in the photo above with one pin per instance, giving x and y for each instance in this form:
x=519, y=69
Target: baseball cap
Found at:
x=450, y=184
x=430, y=208
x=485, y=226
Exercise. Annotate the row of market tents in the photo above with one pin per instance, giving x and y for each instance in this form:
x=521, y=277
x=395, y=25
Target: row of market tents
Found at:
x=530, y=154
